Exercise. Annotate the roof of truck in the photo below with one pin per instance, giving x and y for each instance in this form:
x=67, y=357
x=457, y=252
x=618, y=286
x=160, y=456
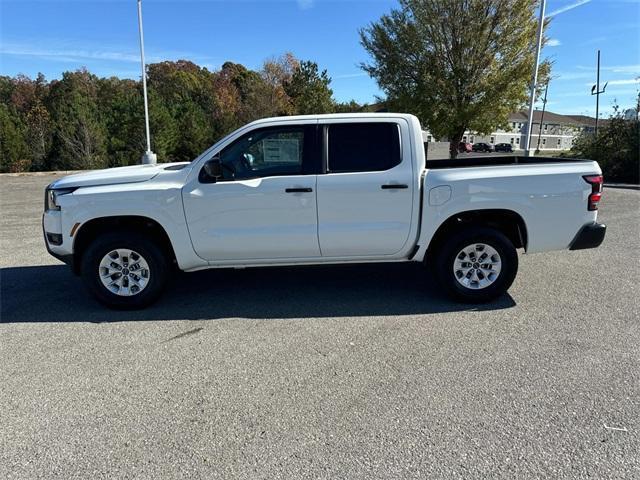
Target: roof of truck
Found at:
x=333, y=116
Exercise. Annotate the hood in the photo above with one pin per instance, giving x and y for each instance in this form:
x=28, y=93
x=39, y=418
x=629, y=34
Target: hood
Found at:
x=118, y=175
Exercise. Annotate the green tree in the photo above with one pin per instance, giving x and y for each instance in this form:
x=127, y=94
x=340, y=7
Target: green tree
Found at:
x=183, y=96
x=79, y=135
x=349, y=107
x=309, y=89
x=13, y=148
x=616, y=148
x=456, y=64
x=122, y=113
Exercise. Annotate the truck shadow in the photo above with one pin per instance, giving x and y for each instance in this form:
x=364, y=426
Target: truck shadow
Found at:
x=53, y=294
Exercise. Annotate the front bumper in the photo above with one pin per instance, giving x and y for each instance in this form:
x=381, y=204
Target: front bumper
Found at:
x=58, y=250
x=589, y=236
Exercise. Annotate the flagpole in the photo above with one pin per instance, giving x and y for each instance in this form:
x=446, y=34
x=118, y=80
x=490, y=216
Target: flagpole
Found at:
x=148, y=157
x=534, y=80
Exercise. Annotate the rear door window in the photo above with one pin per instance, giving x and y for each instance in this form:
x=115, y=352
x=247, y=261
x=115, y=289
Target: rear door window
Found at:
x=363, y=147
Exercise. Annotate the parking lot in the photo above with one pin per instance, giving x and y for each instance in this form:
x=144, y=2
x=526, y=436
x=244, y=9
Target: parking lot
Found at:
x=321, y=372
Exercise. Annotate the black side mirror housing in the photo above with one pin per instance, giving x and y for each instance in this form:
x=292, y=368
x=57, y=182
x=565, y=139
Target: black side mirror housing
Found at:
x=213, y=168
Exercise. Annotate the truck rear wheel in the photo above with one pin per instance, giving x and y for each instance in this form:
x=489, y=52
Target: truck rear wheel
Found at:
x=124, y=270
x=478, y=264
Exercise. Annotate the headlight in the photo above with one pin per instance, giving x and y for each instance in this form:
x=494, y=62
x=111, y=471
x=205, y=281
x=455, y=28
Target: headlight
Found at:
x=51, y=197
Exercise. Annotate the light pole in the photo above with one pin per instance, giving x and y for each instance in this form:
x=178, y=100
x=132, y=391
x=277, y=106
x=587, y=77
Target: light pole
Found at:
x=544, y=105
x=534, y=80
x=149, y=156
x=595, y=90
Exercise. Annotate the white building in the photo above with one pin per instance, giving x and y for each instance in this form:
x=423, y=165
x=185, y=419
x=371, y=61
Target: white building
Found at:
x=559, y=132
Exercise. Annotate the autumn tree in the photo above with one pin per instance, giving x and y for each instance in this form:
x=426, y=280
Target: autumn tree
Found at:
x=81, y=121
x=277, y=73
x=456, y=64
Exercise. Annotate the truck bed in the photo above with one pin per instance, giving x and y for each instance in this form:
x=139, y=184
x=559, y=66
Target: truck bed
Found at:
x=494, y=160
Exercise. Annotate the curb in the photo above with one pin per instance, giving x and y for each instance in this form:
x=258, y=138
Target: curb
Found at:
x=629, y=186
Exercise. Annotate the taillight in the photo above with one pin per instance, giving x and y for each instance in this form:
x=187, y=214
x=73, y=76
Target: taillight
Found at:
x=596, y=182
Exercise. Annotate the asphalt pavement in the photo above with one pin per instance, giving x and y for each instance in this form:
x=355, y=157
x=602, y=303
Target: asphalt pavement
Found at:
x=346, y=372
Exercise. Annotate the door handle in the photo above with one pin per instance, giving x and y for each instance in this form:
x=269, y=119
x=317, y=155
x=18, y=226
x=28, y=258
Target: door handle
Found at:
x=394, y=185
x=298, y=190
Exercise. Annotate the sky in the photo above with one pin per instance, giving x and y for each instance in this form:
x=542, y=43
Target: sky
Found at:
x=53, y=36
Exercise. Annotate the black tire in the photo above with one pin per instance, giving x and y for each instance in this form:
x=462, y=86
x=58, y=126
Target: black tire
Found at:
x=445, y=257
x=155, y=257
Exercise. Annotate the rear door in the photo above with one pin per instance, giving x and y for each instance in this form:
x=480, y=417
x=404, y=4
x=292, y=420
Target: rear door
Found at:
x=365, y=195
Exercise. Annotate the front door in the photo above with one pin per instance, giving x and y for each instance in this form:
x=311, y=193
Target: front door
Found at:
x=264, y=207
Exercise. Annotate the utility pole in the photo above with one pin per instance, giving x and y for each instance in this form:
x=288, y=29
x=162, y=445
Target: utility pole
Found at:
x=544, y=105
x=595, y=90
x=534, y=80
x=149, y=156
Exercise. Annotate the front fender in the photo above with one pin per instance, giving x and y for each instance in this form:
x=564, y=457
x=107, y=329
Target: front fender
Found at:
x=160, y=203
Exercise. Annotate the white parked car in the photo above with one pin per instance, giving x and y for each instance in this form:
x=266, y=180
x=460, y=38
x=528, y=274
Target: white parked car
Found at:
x=344, y=188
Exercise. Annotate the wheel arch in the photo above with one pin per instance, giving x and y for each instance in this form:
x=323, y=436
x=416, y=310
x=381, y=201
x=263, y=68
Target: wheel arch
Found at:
x=509, y=222
x=126, y=223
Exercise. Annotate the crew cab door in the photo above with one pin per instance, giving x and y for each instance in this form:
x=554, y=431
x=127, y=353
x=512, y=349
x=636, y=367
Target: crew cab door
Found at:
x=365, y=195
x=264, y=207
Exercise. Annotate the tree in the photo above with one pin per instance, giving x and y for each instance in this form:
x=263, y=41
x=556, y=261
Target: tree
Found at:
x=616, y=148
x=350, y=107
x=309, y=89
x=456, y=64
x=122, y=113
x=276, y=73
x=13, y=148
x=81, y=121
x=27, y=101
x=79, y=133
x=183, y=96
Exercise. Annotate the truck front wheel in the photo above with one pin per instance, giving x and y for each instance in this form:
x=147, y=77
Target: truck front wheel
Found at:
x=124, y=270
x=478, y=264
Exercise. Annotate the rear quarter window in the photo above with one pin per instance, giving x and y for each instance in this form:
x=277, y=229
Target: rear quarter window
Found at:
x=363, y=147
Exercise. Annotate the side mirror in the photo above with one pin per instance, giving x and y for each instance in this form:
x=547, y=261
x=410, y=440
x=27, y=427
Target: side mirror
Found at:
x=213, y=168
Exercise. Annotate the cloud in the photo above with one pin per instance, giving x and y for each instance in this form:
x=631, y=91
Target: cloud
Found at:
x=571, y=75
x=554, y=42
x=112, y=54
x=635, y=69
x=349, y=75
x=596, y=40
x=566, y=8
x=68, y=54
x=305, y=4
x=626, y=81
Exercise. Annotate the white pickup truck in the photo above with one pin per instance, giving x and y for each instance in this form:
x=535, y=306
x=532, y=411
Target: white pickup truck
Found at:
x=344, y=188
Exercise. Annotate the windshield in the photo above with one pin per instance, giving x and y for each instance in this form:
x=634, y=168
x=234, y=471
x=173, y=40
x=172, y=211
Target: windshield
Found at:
x=212, y=147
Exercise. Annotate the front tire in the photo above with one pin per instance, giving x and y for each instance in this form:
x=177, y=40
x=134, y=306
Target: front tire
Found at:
x=124, y=271
x=477, y=265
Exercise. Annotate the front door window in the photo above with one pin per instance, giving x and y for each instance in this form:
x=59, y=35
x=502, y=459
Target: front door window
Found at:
x=265, y=153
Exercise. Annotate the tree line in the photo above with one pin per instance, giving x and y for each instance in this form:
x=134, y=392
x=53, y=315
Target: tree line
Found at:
x=82, y=121
x=456, y=64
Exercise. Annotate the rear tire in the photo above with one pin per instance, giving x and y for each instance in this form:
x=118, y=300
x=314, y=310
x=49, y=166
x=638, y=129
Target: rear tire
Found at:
x=125, y=271
x=477, y=264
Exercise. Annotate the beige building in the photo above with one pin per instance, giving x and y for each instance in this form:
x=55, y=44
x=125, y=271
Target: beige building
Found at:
x=556, y=132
